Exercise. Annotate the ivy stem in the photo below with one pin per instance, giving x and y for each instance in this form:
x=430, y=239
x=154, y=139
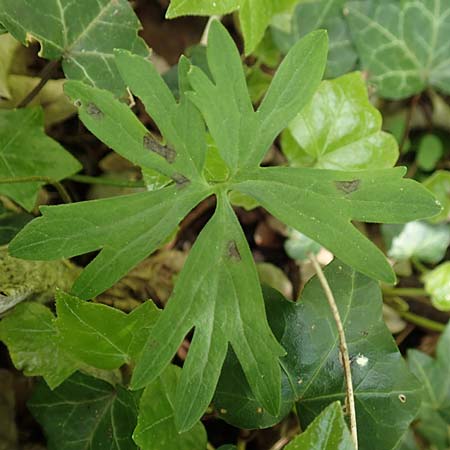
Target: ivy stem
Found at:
x=405, y=292
x=39, y=179
x=209, y=446
x=422, y=321
x=411, y=110
x=45, y=75
x=419, y=266
x=86, y=179
x=342, y=347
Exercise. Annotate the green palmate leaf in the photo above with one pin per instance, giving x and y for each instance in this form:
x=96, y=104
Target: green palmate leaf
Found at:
x=126, y=230
x=321, y=204
x=85, y=413
x=33, y=343
x=254, y=15
x=83, y=33
x=387, y=395
x=400, y=61
x=101, y=336
x=434, y=416
x=224, y=304
x=327, y=432
x=418, y=240
x=26, y=151
x=321, y=14
x=437, y=284
x=340, y=129
x=242, y=135
x=156, y=428
x=439, y=185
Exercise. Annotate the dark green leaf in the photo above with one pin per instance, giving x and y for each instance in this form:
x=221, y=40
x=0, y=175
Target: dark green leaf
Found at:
x=85, y=413
x=404, y=45
x=321, y=204
x=340, y=129
x=241, y=134
x=26, y=151
x=126, y=229
x=224, y=305
x=33, y=342
x=83, y=33
x=434, y=415
x=387, y=395
x=101, y=336
x=156, y=423
x=11, y=223
x=328, y=431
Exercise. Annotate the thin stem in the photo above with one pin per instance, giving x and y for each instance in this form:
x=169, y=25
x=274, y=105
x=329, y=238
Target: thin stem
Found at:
x=411, y=110
x=209, y=446
x=405, y=292
x=422, y=321
x=419, y=266
x=342, y=347
x=32, y=179
x=45, y=75
x=86, y=179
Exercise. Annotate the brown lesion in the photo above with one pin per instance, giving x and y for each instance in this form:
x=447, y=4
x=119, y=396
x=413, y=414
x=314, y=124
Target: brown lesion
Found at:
x=180, y=180
x=348, y=186
x=94, y=111
x=233, y=251
x=168, y=153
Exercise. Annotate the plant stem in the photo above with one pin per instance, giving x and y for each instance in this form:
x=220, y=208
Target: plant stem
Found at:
x=405, y=292
x=106, y=181
x=419, y=266
x=411, y=110
x=56, y=184
x=422, y=321
x=209, y=446
x=342, y=347
x=45, y=75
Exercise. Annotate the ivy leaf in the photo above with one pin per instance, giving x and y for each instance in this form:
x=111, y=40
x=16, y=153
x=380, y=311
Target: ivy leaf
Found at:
x=26, y=152
x=327, y=432
x=156, y=424
x=434, y=415
x=437, y=285
x=126, y=229
x=224, y=305
x=419, y=240
x=439, y=185
x=321, y=204
x=254, y=15
x=321, y=14
x=245, y=135
x=340, y=129
x=387, y=395
x=101, y=336
x=82, y=33
x=402, y=62
x=33, y=342
x=85, y=413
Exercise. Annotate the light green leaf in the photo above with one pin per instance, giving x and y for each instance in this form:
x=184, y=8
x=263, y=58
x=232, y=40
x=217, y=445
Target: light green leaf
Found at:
x=224, y=305
x=98, y=335
x=322, y=203
x=419, y=240
x=429, y=152
x=254, y=15
x=321, y=14
x=83, y=33
x=400, y=60
x=85, y=413
x=434, y=416
x=8, y=47
x=126, y=229
x=156, y=428
x=439, y=185
x=242, y=135
x=33, y=342
x=27, y=151
x=340, y=129
x=387, y=395
x=328, y=431
x=437, y=284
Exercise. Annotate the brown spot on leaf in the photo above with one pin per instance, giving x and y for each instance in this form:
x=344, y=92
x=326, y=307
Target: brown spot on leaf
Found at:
x=168, y=153
x=348, y=186
x=94, y=111
x=180, y=180
x=233, y=251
